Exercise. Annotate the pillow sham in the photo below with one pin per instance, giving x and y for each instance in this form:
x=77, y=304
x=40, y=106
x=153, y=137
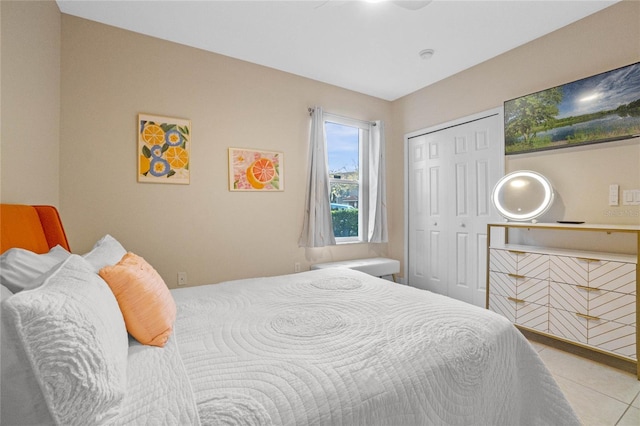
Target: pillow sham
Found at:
x=64, y=350
x=106, y=251
x=147, y=306
x=22, y=269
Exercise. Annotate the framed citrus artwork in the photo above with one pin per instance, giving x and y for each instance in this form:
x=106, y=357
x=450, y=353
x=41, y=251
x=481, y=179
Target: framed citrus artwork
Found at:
x=164, y=146
x=253, y=170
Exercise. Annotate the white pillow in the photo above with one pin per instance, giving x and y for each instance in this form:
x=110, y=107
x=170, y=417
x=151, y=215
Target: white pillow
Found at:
x=107, y=251
x=64, y=350
x=5, y=292
x=22, y=269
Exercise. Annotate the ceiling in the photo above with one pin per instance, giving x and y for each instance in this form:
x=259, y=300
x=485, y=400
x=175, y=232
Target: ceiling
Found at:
x=371, y=48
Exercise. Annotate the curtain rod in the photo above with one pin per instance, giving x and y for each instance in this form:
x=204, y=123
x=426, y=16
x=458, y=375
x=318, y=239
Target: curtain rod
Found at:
x=373, y=123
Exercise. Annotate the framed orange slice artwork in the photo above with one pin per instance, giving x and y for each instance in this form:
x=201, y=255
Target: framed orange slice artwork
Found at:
x=164, y=148
x=253, y=170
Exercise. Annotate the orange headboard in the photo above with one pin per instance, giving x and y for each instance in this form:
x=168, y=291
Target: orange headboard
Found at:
x=35, y=228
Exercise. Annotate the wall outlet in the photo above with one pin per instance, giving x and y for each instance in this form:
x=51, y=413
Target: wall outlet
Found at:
x=296, y=267
x=182, y=278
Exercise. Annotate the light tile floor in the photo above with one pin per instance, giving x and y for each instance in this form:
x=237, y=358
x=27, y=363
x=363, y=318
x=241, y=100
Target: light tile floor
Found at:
x=601, y=395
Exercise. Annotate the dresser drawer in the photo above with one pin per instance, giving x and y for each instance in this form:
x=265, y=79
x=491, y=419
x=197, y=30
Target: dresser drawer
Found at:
x=521, y=312
x=568, y=297
x=501, y=260
x=512, y=285
x=502, y=283
x=593, y=272
x=532, y=265
x=613, y=306
x=614, y=276
x=568, y=325
x=594, y=331
x=533, y=290
x=607, y=305
x=501, y=304
x=614, y=337
x=568, y=269
x=532, y=315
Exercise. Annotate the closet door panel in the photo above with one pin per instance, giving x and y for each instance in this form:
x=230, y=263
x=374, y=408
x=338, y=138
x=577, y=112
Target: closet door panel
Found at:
x=417, y=205
x=463, y=162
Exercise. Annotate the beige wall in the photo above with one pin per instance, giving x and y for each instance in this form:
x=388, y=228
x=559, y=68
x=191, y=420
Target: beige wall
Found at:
x=30, y=130
x=581, y=176
x=110, y=75
x=93, y=80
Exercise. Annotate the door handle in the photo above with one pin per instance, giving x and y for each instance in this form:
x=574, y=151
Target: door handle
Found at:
x=588, y=259
x=585, y=288
x=588, y=317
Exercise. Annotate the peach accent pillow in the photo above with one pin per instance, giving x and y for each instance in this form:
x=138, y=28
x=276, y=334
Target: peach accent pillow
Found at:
x=147, y=306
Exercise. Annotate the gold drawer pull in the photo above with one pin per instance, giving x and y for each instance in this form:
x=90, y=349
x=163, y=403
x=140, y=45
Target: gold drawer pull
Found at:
x=517, y=252
x=588, y=317
x=516, y=276
x=588, y=259
x=513, y=299
x=585, y=288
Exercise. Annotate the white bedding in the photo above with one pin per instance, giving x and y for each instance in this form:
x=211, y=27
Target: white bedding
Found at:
x=158, y=390
x=339, y=347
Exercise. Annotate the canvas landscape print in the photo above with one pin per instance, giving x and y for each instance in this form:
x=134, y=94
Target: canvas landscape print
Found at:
x=601, y=108
x=253, y=170
x=163, y=149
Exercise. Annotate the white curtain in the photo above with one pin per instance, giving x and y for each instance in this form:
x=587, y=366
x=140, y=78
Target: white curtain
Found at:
x=317, y=230
x=377, y=188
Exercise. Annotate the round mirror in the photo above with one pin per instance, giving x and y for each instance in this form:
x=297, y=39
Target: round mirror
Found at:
x=522, y=195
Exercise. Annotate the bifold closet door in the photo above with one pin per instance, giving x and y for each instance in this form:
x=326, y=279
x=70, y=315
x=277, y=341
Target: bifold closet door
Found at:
x=451, y=174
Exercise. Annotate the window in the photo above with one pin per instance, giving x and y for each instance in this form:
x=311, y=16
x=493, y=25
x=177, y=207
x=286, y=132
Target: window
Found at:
x=347, y=152
x=346, y=172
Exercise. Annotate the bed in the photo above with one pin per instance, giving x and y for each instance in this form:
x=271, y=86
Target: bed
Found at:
x=324, y=347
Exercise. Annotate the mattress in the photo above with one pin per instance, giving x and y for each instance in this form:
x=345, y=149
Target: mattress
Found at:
x=340, y=347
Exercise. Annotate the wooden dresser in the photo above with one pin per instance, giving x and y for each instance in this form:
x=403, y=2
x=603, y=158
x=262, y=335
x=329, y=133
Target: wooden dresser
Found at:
x=588, y=298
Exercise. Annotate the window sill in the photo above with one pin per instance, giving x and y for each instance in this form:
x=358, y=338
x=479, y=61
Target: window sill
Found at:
x=346, y=242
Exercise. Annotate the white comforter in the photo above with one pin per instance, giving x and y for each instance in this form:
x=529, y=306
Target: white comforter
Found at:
x=338, y=347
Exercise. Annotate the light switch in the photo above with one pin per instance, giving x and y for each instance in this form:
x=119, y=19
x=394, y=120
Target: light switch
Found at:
x=631, y=197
